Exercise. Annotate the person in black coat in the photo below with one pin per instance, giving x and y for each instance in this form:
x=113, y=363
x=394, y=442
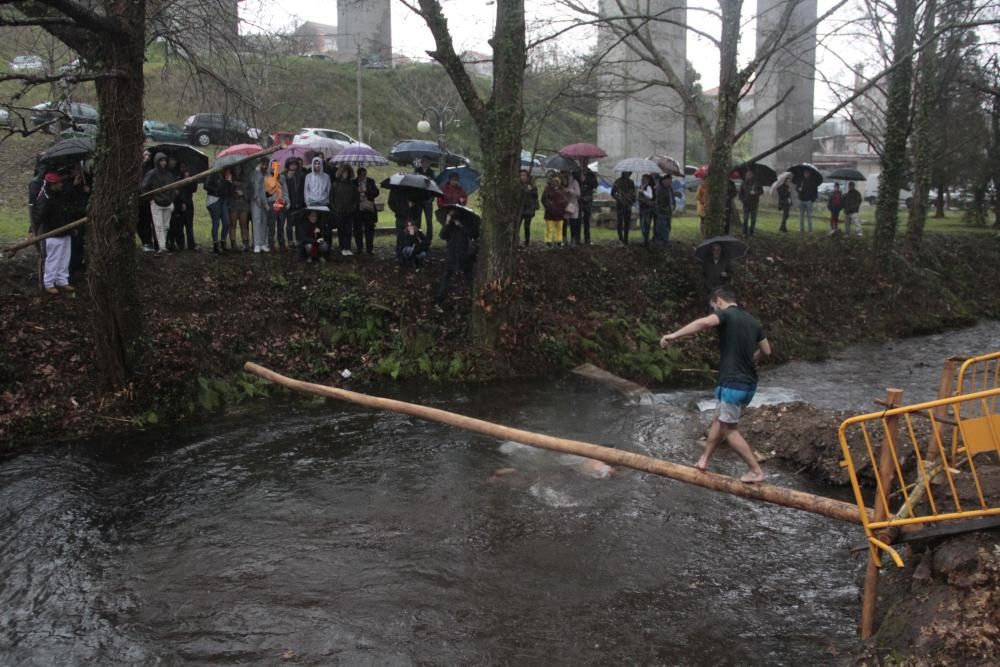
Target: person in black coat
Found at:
x=461, y=251
x=427, y=208
x=414, y=246
x=529, y=203
x=185, y=202
x=293, y=197
x=366, y=216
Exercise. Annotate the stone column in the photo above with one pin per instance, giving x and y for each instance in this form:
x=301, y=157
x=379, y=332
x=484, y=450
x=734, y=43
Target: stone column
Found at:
x=652, y=120
x=793, y=68
x=367, y=23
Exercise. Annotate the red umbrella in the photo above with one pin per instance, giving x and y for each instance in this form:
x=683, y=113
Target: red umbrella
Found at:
x=243, y=150
x=701, y=172
x=582, y=151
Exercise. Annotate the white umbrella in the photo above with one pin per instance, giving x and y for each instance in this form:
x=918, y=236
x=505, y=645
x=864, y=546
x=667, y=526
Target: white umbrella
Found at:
x=637, y=165
x=783, y=177
x=328, y=147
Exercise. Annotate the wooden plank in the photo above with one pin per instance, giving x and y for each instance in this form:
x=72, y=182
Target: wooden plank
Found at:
x=602, y=376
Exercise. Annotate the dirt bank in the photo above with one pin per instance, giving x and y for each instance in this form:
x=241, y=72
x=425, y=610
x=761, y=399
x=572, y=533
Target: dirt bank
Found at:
x=604, y=304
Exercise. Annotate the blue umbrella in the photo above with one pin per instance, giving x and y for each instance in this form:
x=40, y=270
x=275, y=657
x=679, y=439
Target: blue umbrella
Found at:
x=468, y=178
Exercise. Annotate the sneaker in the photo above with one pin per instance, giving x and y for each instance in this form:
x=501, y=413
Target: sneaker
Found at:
x=66, y=288
x=346, y=253
x=323, y=259
x=160, y=254
x=265, y=248
x=148, y=248
x=256, y=250
x=52, y=290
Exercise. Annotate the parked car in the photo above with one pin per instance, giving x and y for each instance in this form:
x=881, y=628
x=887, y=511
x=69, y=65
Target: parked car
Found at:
x=79, y=132
x=341, y=138
x=217, y=128
x=4, y=118
x=27, y=64
x=71, y=66
x=158, y=130
x=60, y=115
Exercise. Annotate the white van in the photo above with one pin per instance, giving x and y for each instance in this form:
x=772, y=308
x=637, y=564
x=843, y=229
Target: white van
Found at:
x=871, y=191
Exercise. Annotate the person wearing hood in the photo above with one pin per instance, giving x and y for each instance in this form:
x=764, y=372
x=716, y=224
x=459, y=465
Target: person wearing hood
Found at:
x=317, y=192
x=367, y=214
x=258, y=207
x=293, y=197
x=162, y=204
x=345, y=203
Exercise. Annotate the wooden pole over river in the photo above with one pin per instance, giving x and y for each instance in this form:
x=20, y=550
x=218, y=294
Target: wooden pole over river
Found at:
x=807, y=502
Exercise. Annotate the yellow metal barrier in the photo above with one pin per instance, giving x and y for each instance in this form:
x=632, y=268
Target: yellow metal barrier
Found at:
x=934, y=484
x=980, y=373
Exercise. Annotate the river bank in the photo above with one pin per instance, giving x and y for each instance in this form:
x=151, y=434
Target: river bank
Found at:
x=602, y=304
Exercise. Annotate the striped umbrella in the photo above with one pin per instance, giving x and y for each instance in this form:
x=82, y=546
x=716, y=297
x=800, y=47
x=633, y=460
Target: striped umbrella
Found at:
x=360, y=156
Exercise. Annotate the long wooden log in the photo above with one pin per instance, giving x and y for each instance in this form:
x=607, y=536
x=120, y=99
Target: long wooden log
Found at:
x=14, y=249
x=807, y=502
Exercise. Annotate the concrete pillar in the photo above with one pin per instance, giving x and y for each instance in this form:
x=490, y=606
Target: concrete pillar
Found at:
x=367, y=23
x=791, y=68
x=650, y=121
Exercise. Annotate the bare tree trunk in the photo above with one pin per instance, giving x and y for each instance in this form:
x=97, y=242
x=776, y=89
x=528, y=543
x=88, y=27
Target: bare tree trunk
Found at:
x=897, y=116
x=725, y=119
x=924, y=136
x=111, y=274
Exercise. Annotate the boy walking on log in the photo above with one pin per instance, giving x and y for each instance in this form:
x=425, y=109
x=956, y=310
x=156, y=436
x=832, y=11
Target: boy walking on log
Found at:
x=741, y=343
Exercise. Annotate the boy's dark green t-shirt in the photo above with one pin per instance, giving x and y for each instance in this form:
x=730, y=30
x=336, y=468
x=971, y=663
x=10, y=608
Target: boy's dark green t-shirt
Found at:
x=739, y=334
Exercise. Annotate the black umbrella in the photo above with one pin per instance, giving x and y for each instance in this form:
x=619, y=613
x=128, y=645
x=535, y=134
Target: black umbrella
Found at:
x=799, y=170
x=416, y=187
x=410, y=150
x=732, y=247
x=763, y=174
x=560, y=163
x=189, y=155
x=846, y=174
x=470, y=219
x=68, y=150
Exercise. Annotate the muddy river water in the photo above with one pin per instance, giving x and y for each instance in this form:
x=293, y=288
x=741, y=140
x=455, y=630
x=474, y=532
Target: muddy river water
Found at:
x=303, y=533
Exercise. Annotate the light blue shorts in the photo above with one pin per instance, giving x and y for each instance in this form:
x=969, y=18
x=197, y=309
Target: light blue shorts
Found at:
x=732, y=398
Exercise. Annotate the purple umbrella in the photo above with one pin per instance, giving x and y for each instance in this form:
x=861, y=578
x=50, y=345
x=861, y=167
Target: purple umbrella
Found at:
x=359, y=156
x=294, y=151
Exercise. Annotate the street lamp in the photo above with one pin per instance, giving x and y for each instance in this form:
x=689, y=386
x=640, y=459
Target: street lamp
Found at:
x=445, y=115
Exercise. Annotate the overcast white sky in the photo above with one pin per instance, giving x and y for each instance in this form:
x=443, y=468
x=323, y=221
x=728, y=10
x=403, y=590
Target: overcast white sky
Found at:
x=472, y=21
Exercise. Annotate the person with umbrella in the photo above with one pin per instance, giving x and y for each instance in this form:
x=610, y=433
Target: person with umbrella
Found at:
x=835, y=205
x=239, y=205
x=750, y=192
x=293, y=197
x=741, y=343
x=345, y=204
x=647, y=198
x=52, y=210
x=663, y=210
x=624, y=193
x=852, y=208
x=529, y=203
x=571, y=190
x=413, y=246
x=459, y=229
x=367, y=214
x=185, y=202
x=808, y=191
x=427, y=208
x=588, y=185
x=453, y=191
x=554, y=202
x=162, y=204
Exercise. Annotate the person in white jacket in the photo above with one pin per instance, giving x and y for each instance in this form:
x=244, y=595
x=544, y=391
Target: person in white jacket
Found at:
x=317, y=193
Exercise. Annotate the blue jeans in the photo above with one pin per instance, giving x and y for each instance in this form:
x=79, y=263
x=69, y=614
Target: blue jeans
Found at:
x=645, y=223
x=805, y=212
x=219, y=212
x=661, y=231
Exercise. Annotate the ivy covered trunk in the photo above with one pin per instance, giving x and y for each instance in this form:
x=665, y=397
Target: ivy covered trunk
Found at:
x=924, y=135
x=500, y=141
x=112, y=212
x=897, y=116
x=728, y=100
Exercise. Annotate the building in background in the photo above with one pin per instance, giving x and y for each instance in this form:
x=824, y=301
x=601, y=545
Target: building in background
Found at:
x=311, y=38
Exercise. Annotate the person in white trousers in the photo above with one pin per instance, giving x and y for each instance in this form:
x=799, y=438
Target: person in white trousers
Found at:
x=162, y=205
x=51, y=213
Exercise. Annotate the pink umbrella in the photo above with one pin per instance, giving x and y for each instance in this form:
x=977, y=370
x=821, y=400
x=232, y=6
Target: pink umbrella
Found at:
x=243, y=150
x=701, y=172
x=300, y=152
x=582, y=151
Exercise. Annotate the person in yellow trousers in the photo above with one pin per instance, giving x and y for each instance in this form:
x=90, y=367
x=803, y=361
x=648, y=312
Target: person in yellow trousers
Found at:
x=554, y=202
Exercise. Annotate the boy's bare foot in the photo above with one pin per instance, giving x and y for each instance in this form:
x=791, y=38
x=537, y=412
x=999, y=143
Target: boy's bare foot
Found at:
x=753, y=477
x=702, y=463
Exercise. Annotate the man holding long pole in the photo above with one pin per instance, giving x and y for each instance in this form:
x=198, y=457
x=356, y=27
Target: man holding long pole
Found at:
x=741, y=344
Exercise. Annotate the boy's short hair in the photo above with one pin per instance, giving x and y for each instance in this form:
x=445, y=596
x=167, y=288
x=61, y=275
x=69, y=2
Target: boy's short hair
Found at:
x=725, y=293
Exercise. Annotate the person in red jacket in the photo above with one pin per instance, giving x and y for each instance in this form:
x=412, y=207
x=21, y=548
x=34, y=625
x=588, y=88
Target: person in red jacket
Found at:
x=453, y=193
